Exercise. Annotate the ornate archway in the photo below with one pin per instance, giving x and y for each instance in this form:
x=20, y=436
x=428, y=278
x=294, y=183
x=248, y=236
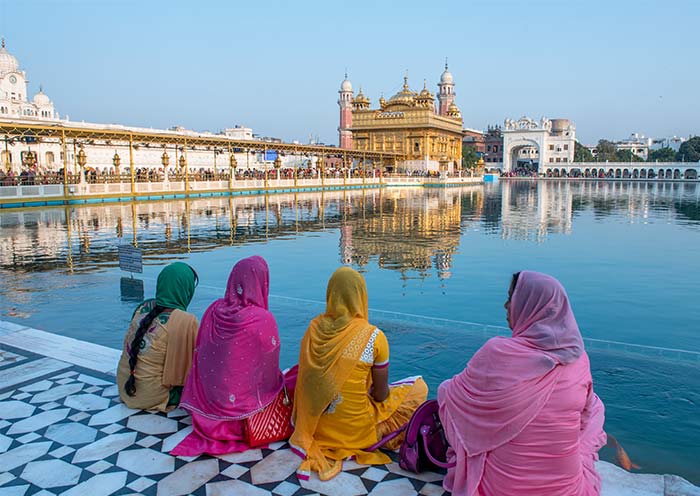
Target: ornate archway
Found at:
x=512, y=145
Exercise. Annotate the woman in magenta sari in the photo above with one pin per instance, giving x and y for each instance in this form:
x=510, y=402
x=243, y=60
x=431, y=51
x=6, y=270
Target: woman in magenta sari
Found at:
x=522, y=418
x=235, y=371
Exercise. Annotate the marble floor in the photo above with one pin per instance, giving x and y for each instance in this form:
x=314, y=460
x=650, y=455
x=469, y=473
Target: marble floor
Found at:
x=63, y=431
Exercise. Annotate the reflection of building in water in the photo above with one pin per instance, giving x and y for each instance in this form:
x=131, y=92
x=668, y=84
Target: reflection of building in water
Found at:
x=402, y=229
x=86, y=237
x=410, y=233
x=532, y=209
x=346, y=244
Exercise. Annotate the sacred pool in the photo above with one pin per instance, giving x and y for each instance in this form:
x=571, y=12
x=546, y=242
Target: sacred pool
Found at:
x=437, y=262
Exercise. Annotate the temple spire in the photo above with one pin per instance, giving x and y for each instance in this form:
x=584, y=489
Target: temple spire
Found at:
x=3, y=42
x=445, y=63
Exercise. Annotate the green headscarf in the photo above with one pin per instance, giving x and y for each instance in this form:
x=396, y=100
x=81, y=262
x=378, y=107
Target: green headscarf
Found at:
x=175, y=287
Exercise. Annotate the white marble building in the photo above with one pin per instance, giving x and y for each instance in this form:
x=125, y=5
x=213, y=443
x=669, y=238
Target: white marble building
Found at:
x=637, y=143
x=538, y=144
x=13, y=92
x=48, y=155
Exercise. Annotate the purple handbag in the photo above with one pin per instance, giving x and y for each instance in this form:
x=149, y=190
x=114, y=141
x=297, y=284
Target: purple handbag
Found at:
x=425, y=446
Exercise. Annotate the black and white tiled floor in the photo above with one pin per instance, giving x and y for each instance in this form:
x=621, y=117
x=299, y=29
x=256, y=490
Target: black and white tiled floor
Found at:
x=63, y=431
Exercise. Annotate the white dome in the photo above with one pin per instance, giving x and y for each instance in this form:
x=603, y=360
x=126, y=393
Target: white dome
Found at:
x=446, y=77
x=346, y=85
x=41, y=99
x=7, y=62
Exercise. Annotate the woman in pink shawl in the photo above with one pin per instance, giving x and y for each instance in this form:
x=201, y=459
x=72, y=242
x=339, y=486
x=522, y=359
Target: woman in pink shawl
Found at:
x=522, y=418
x=235, y=371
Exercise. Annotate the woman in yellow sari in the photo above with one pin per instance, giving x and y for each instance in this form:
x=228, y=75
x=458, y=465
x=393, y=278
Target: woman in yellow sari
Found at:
x=343, y=401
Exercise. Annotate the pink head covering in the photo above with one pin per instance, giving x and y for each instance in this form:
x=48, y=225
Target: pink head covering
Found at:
x=508, y=381
x=542, y=317
x=235, y=371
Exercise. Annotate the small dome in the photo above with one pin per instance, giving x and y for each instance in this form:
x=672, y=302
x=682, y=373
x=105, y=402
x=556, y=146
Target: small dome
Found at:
x=446, y=77
x=424, y=93
x=453, y=111
x=41, y=98
x=7, y=62
x=361, y=98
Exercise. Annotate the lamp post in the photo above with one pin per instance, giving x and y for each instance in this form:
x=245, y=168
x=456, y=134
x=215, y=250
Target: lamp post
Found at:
x=232, y=164
x=295, y=170
x=116, y=161
x=182, y=163
x=165, y=160
x=278, y=165
x=264, y=158
x=29, y=163
x=322, y=169
x=82, y=161
x=29, y=159
x=6, y=158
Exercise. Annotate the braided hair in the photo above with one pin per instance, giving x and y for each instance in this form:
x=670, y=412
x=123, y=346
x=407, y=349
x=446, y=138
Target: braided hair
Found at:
x=130, y=384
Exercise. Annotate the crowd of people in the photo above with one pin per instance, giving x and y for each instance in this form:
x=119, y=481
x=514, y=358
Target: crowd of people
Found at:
x=31, y=176
x=522, y=418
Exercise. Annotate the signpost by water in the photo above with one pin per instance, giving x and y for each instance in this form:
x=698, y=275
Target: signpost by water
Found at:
x=131, y=260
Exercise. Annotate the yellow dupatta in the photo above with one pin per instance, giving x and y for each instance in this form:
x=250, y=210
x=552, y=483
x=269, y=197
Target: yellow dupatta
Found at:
x=330, y=349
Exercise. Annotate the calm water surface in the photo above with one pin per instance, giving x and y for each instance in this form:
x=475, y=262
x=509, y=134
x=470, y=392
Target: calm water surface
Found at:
x=437, y=263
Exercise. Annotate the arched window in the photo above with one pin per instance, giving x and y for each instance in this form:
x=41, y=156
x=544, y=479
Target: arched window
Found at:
x=49, y=158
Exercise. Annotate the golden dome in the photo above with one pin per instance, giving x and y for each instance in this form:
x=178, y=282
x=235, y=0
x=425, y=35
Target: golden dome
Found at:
x=361, y=98
x=360, y=102
x=453, y=111
x=403, y=97
x=425, y=94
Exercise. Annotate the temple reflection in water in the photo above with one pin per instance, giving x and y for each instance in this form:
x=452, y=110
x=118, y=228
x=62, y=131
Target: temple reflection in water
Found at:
x=411, y=230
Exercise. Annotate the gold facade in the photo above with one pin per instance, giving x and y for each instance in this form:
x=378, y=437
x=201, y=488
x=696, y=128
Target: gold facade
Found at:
x=407, y=124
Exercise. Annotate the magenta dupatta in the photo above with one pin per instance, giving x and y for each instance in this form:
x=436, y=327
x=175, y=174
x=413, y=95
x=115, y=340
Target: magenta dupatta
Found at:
x=235, y=371
x=509, y=380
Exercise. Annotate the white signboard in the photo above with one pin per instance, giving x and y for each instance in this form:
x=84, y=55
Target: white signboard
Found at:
x=130, y=259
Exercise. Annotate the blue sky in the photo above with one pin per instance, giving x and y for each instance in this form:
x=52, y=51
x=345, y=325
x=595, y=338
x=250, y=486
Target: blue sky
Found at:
x=612, y=67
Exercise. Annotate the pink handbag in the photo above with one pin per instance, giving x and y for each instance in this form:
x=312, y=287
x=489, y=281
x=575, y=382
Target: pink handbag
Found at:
x=425, y=446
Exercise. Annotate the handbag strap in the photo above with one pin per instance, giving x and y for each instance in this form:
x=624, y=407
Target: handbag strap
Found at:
x=424, y=431
x=387, y=438
x=285, y=401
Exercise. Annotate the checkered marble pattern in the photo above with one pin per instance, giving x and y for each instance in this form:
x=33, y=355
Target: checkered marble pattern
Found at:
x=63, y=431
x=66, y=433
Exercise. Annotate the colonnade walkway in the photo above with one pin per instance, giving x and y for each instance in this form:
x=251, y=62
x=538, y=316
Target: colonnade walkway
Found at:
x=64, y=431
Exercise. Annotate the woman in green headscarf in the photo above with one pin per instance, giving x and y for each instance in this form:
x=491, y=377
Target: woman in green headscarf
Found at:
x=159, y=344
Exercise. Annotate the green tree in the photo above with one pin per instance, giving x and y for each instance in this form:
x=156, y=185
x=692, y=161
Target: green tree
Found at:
x=606, y=151
x=469, y=157
x=626, y=156
x=582, y=154
x=665, y=154
x=689, y=150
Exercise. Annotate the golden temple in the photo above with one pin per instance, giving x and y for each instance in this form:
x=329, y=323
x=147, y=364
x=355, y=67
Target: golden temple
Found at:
x=409, y=124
